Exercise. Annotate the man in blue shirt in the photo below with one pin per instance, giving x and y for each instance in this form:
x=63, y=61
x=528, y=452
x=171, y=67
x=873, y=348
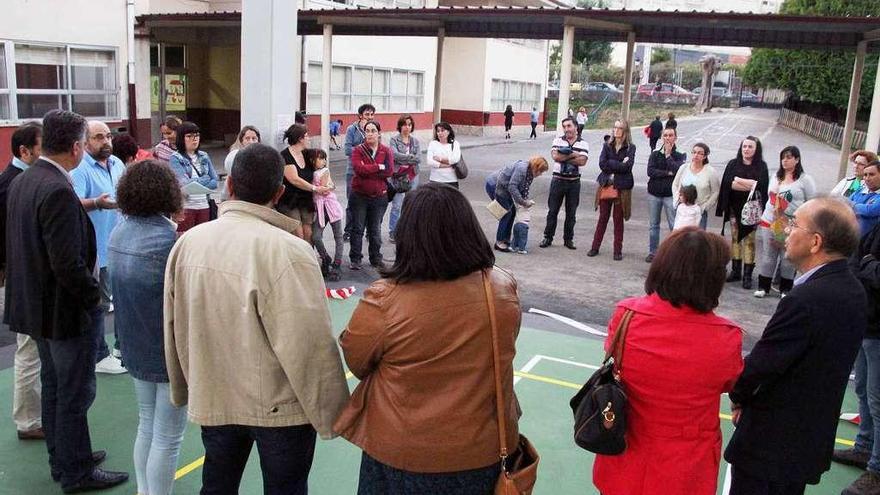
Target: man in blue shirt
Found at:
x=354, y=136
x=533, y=117
x=94, y=181
x=866, y=203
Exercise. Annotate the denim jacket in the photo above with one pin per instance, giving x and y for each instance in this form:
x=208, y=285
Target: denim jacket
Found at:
x=138, y=250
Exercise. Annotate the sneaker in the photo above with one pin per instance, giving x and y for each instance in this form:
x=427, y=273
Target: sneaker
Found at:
x=354, y=265
x=520, y=251
x=334, y=274
x=110, y=366
x=116, y=353
x=649, y=258
x=760, y=293
x=866, y=484
x=110, y=308
x=851, y=457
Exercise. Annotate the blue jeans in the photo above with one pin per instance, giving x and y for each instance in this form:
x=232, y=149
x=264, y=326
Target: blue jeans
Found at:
x=286, y=455
x=366, y=213
x=67, y=376
x=868, y=390
x=349, y=220
x=160, y=432
x=656, y=205
x=101, y=349
x=704, y=220
x=505, y=223
x=520, y=236
x=396, y=203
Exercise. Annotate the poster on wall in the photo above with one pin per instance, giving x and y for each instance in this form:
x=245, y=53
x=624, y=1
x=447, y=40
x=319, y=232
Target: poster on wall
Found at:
x=175, y=93
x=154, y=93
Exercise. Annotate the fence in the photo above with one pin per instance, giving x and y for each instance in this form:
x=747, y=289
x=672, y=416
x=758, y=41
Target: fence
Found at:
x=824, y=131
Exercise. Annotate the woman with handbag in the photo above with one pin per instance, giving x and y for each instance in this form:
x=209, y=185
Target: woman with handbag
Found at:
x=190, y=164
x=407, y=157
x=430, y=317
x=677, y=359
x=443, y=155
x=510, y=188
x=614, y=193
x=743, y=186
x=788, y=190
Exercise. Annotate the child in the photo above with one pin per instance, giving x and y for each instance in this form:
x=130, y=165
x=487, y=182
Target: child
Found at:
x=521, y=230
x=327, y=210
x=334, y=131
x=688, y=213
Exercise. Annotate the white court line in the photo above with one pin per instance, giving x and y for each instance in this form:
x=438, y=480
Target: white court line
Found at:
x=568, y=321
x=566, y=361
x=726, y=487
x=528, y=367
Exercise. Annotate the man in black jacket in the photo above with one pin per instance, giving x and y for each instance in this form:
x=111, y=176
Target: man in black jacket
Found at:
x=52, y=296
x=866, y=452
x=656, y=128
x=662, y=166
x=787, y=401
x=26, y=395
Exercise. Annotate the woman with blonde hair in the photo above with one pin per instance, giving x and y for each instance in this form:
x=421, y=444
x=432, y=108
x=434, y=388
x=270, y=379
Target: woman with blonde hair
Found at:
x=614, y=194
x=510, y=187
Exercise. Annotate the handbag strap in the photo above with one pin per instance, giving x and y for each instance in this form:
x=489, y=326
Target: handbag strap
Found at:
x=617, y=345
x=496, y=361
x=752, y=191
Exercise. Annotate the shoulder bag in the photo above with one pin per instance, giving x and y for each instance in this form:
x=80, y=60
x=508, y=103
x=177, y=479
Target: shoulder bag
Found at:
x=519, y=470
x=600, y=406
x=213, y=209
x=461, y=168
x=751, y=212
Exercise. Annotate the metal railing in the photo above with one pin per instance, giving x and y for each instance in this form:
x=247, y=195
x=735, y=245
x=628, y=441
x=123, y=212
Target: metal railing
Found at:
x=827, y=132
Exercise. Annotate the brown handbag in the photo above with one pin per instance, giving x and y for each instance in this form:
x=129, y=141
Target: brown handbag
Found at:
x=608, y=192
x=519, y=470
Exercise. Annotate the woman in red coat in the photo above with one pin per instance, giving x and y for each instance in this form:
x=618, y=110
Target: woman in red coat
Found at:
x=679, y=357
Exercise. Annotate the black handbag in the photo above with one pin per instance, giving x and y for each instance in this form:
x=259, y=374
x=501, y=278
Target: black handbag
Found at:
x=460, y=168
x=600, y=406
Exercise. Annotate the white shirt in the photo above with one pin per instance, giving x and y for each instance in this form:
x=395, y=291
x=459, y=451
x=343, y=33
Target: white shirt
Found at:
x=581, y=118
x=452, y=152
x=579, y=147
x=687, y=216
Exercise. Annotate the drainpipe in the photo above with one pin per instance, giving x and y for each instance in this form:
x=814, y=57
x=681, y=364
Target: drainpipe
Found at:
x=132, y=95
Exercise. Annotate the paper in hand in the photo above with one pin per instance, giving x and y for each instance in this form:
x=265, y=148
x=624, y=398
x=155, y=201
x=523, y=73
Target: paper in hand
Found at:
x=196, y=188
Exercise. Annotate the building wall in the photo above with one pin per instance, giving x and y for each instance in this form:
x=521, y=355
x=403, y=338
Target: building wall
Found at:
x=464, y=75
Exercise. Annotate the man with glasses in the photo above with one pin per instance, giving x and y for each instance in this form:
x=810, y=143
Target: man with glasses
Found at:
x=94, y=181
x=787, y=400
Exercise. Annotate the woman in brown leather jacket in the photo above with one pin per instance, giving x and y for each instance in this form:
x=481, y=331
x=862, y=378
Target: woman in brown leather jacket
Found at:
x=421, y=344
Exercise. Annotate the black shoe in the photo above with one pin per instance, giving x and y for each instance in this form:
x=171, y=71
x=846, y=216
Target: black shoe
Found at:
x=98, y=480
x=735, y=271
x=334, y=274
x=618, y=256
x=377, y=264
x=98, y=457
x=592, y=252
x=649, y=258
x=346, y=237
x=851, y=457
x=546, y=242
x=866, y=484
x=748, y=270
x=570, y=245
x=503, y=249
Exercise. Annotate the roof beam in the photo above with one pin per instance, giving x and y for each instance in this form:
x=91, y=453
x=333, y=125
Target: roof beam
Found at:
x=872, y=35
x=587, y=23
x=346, y=20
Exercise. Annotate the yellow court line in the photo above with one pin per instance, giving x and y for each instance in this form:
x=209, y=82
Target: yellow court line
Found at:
x=185, y=470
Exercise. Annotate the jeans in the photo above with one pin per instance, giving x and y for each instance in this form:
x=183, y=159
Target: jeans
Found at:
x=608, y=208
x=704, y=220
x=773, y=254
x=570, y=192
x=656, y=206
x=318, y=239
x=26, y=394
x=520, y=236
x=505, y=223
x=159, y=435
x=867, y=384
x=396, y=204
x=68, y=380
x=101, y=349
x=366, y=213
x=285, y=458
x=349, y=220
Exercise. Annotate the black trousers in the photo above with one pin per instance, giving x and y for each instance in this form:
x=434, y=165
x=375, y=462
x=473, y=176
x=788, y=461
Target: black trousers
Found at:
x=67, y=376
x=534, y=133
x=744, y=483
x=654, y=142
x=286, y=455
x=568, y=191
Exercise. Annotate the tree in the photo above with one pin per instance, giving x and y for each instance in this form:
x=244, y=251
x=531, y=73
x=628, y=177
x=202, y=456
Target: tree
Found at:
x=817, y=76
x=585, y=53
x=660, y=55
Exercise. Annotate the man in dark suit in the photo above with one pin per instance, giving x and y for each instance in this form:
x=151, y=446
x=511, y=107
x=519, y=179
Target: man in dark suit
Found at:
x=787, y=400
x=26, y=396
x=52, y=295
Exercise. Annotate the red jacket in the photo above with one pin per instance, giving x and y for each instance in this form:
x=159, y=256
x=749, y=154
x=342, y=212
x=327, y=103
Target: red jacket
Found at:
x=369, y=179
x=676, y=365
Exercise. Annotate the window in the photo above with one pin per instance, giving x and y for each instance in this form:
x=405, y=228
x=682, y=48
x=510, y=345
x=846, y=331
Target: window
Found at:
x=36, y=78
x=522, y=96
x=389, y=90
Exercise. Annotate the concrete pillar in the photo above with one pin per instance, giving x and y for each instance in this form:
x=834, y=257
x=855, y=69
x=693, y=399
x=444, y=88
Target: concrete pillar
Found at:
x=628, y=75
x=438, y=74
x=852, y=108
x=873, y=141
x=326, y=66
x=270, y=72
x=565, y=75
x=646, y=63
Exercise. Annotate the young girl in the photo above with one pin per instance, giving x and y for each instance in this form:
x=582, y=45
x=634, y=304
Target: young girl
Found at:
x=688, y=213
x=327, y=210
x=521, y=230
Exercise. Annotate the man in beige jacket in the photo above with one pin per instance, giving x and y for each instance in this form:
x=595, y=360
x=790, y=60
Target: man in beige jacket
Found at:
x=248, y=341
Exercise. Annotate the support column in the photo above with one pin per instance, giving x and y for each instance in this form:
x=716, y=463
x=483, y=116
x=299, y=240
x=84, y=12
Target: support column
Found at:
x=628, y=75
x=270, y=76
x=438, y=74
x=565, y=75
x=326, y=66
x=873, y=141
x=852, y=108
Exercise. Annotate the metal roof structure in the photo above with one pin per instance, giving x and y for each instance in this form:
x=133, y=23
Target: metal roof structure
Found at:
x=675, y=27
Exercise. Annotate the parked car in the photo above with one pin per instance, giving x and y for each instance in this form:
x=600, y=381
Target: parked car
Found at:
x=604, y=87
x=717, y=92
x=664, y=89
x=749, y=97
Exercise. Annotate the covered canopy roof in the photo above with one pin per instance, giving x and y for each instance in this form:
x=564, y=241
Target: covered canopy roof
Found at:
x=692, y=28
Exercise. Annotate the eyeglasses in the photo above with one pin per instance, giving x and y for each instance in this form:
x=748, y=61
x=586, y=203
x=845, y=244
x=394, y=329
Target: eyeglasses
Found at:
x=194, y=135
x=792, y=224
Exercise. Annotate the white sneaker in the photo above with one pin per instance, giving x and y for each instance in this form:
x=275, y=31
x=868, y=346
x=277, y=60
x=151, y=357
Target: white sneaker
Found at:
x=110, y=308
x=116, y=353
x=110, y=366
x=759, y=293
